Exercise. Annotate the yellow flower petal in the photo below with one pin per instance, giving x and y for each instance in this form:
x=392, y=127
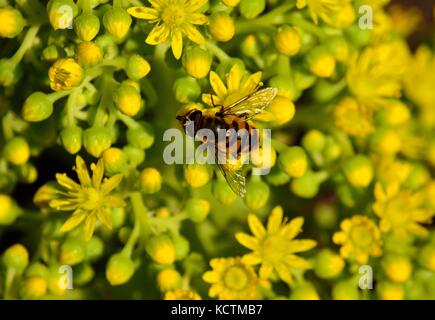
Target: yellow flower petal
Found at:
x=256, y=226
x=198, y=19
x=66, y=181
x=247, y=240
x=73, y=221
x=292, y=228
x=194, y=5
x=89, y=226
x=63, y=204
x=193, y=34
x=275, y=219
x=266, y=270
x=283, y=272
x=82, y=172
x=217, y=84
x=210, y=277
x=104, y=218
x=114, y=202
x=251, y=259
x=234, y=77
x=158, y=34
x=297, y=262
x=207, y=99
x=177, y=44
x=301, y=245
x=250, y=84
x=157, y=4
x=143, y=13
x=111, y=183
x=97, y=173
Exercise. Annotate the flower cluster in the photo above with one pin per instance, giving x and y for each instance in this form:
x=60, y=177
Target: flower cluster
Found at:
x=94, y=85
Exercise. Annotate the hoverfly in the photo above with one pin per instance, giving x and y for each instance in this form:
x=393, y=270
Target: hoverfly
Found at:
x=234, y=116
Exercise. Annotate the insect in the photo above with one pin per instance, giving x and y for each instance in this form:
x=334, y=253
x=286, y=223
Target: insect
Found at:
x=234, y=116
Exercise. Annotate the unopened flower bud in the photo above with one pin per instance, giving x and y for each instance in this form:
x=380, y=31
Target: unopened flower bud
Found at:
x=12, y=22
x=222, y=26
x=293, y=161
x=141, y=136
x=197, y=62
x=8, y=210
x=390, y=291
x=386, y=141
x=186, y=89
x=161, y=249
x=339, y=48
x=182, y=247
x=89, y=53
x=135, y=155
x=137, y=67
x=257, y=193
x=286, y=88
x=314, y=141
x=87, y=26
x=168, y=279
x=117, y=22
x=197, y=175
x=250, y=9
x=328, y=264
x=10, y=72
x=17, y=151
x=223, y=193
x=397, y=268
x=250, y=46
x=304, y=292
x=72, y=251
x=358, y=171
x=426, y=257
x=83, y=274
x=61, y=13
x=150, y=180
x=197, y=209
x=37, y=107
x=127, y=99
x=96, y=140
x=306, y=186
x=345, y=290
x=34, y=287
x=115, y=160
x=119, y=269
x=321, y=62
x=288, y=41
x=71, y=138
x=16, y=257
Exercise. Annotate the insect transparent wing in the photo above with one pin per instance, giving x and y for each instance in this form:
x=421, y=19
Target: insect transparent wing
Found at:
x=235, y=180
x=251, y=105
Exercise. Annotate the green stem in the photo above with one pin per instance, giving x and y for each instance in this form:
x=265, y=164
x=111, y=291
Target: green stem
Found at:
x=141, y=214
x=133, y=238
x=10, y=275
x=218, y=52
x=278, y=145
x=57, y=95
x=297, y=20
x=128, y=121
x=8, y=133
x=25, y=45
x=70, y=104
x=283, y=65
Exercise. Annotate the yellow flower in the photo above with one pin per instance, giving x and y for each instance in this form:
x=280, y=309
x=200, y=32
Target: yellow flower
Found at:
x=375, y=75
x=359, y=238
x=12, y=22
x=89, y=198
x=182, y=294
x=353, y=118
x=238, y=85
x=322, y=8
x=401, y=211
x=273, y=247
x=168, y=279
x=65, y=74
x=173, y=19
x=232, y=279
x=89, y=53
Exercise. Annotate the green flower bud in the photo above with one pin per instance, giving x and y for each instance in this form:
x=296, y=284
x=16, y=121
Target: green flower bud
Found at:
x=142, y=136
x=12, y=22
x=161, y=249
x=127, y=99
x=197, y=175
x=37, y=107
x=306, y=186
x=51, y=53
x=358, y=37
x=348, y=195
x=339, y=48
x=119, y=269
x=194, y=264
x=288, y=41
x=27, y=173
x=87, y=26
x=223, y=193
x=94, y=248
x=321, y=62
x=358, y=171
x=115, y=160
x=314, y=141
x=72, y=251
x=257, y=193
x=117, y=216
x=117, y=22
x=137, y=67
x=182, y=247
x=325, y=215
x=332, y=150
x=222, y=26
x=96, y=140
x=150, y=180
x=426, y=257
x=250, y=46
x=386, y=142
x=186, y=89
x=345, y=290
x=89, y=53
x=168, y=279
x=135, y=155
x=418, y=177
x=328, y=265
x=197, y=62
x=10, y=72
x=305, y=291
x=250, y=9
x=37, y=269
x=71, y=138
x=277, y=177
x=61, y=13
x=83, y=274
x=293, y=161
x=17, y=151
x=197, y=209
x=16, y=257
x=8, y=210
x=33, y=288
x=286, y=87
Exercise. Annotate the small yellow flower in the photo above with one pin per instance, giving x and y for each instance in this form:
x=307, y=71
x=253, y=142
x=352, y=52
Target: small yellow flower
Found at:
x=197, y=175
x=168, y=279
x=65, y=74
x=89, y=53
x=359, y=238
x=197, y=62
x=274, y=247
x=12, y=22
x=232, y=279
x=397, y=268
x=90, y=198
x=238, y=85
x=127, y=99
x=182, y=294
x=150, y=180
x=222, y=26
x=173, y=19
x=161, y=249
x=401, y=211
x=353, y=118
x=288, y=41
